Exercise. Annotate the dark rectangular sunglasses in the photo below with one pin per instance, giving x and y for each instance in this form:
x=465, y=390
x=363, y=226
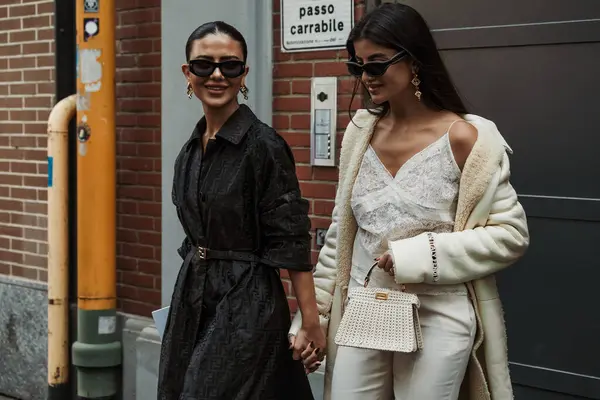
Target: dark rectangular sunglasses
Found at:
x=229, y=68
x=374, y=68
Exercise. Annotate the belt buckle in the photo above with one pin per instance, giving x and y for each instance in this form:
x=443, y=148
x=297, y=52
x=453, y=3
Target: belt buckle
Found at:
x=202, y=252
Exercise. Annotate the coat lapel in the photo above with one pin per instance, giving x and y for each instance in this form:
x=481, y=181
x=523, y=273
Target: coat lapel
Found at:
x=479, y=168
x=356, y=141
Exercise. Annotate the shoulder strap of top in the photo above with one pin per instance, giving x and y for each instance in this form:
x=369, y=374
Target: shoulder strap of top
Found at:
x=452, y=124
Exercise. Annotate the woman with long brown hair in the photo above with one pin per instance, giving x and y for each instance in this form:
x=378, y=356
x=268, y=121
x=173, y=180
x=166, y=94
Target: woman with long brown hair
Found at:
x=424, y=191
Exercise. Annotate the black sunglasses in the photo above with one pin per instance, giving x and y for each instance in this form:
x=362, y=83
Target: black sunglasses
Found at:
x=229, y=68
x=374, y=68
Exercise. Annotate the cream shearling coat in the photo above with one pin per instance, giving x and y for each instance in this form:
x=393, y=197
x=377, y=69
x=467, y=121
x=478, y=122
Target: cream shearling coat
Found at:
x=490, y=234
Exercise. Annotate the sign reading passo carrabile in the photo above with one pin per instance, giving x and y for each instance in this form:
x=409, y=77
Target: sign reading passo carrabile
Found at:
x=309, y=25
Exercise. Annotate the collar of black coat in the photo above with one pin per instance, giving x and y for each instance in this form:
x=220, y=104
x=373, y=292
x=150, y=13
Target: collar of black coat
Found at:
x=234, y=129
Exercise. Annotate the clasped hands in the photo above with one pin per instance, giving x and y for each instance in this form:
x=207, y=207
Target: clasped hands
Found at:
x=308, y=345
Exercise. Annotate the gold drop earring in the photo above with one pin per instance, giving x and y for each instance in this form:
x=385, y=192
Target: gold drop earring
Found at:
x=189, y=90
x=416, y=82
x=244, y=90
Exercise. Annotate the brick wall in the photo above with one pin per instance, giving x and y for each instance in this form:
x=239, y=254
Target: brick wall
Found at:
x=26, y=96
x=291, y=118
x=138, y=155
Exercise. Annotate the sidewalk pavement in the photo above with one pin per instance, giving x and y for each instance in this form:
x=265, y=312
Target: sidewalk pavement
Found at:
x=316, y=382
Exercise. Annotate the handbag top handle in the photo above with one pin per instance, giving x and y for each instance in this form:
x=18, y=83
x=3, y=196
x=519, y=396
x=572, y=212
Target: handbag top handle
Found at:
x=368, y=277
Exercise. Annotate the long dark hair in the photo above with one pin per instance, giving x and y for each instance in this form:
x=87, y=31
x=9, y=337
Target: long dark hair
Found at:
x=400, y=27
x=212, y=28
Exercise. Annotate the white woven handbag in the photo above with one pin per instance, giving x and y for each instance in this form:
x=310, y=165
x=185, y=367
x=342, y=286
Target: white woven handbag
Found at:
x=381, y=319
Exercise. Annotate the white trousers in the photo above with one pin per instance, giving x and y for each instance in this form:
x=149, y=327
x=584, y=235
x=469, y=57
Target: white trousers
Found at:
x=435, y=373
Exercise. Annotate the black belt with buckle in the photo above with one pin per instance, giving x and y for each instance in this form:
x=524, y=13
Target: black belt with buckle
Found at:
x=208, y=254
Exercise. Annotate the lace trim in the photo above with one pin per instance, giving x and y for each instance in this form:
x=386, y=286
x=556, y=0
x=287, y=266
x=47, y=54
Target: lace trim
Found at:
x=422, y=197
x=433, y=256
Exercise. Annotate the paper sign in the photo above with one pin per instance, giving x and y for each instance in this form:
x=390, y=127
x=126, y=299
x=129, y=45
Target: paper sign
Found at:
x=160, y=320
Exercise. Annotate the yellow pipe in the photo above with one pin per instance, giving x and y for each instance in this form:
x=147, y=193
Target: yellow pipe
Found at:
x=96, y=159
x=58, y=247
x=97, y=351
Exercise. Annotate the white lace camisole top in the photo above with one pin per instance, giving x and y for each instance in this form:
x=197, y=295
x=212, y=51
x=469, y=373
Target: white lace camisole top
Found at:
x=422, y=197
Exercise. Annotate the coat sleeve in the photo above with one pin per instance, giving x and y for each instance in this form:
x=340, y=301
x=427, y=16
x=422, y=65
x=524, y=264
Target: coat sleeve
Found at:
x=458, y=257
x=283, y=213
x=325, y=277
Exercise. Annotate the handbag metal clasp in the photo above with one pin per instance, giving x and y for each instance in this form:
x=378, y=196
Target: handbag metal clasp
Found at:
x=381, y=296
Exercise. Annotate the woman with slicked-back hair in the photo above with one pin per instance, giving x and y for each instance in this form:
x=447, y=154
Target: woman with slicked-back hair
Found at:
x=425, y=203
x=238, y=200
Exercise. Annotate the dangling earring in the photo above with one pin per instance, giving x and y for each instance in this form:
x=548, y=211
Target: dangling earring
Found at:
x=189, y=91
x=244, y=90
x=416, y=82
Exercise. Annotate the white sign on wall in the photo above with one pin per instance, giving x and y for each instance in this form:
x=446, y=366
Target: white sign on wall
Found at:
x=315, y=24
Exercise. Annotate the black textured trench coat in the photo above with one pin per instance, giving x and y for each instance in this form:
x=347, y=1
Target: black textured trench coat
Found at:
x=240, y=205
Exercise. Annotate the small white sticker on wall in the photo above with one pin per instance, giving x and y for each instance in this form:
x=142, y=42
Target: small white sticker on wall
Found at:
x=107, y=325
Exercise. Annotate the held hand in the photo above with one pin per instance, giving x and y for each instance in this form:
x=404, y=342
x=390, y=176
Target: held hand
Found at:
x=386, y=263
x=312, y=357
x=313, y=361
x=310, y=339
x=314, y=354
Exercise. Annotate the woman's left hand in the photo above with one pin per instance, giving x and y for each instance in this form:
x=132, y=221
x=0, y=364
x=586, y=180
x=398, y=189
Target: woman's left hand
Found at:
x=310, y=338
x=386, y=263
x=313, y=361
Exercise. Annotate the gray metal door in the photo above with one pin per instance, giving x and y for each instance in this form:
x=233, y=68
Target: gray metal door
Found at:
x=533, y=66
